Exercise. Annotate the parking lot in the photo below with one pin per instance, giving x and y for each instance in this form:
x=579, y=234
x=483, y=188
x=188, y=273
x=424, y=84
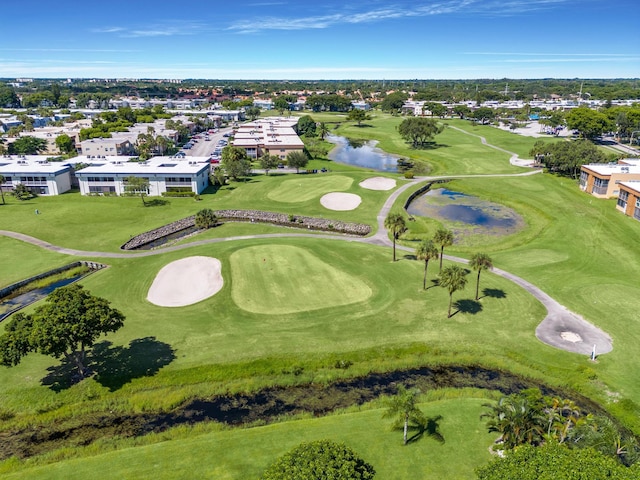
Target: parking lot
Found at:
x=205, y=148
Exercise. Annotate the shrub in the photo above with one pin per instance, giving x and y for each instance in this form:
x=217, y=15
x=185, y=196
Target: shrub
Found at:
x=205, y=218
x=408, y=174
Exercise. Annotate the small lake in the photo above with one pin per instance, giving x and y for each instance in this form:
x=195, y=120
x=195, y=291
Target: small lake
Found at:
x=361, y=154
x=465, y=211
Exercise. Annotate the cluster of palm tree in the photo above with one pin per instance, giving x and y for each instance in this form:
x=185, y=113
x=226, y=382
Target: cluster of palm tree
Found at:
x=530, y=418
x=149, y=143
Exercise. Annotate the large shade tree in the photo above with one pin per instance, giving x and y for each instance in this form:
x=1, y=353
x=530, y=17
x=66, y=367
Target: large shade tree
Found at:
x=297, y=159
x=426, y=251
x=235, y=162
x=453, y=278
x=480, y=262
x=67, y=325
x=397, y=225
x=419, y=131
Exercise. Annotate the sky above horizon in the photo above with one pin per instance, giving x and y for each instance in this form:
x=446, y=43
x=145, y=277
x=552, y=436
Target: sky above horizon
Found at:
x=321, y=40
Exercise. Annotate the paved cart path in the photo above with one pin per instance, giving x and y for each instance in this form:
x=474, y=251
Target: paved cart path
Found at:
x=560, y=328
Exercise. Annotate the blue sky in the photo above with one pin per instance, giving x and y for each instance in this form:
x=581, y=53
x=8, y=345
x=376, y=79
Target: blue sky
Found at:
x=321, y=39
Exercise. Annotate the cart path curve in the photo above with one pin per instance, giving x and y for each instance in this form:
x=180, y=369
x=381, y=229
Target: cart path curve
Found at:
x=560, y=328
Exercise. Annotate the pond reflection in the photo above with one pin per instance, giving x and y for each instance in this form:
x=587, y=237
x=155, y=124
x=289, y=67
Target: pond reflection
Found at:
x=361, y=153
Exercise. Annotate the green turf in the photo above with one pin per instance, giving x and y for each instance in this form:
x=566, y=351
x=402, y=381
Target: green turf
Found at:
x=303, y=189
x=278, y=279
x=245, y=453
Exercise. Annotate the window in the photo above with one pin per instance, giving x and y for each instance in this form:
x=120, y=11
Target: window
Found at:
x=622, y=199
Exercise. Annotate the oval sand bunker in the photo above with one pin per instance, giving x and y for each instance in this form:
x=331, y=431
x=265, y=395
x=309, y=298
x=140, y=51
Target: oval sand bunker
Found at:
x=340, y=201
x=378, y=183
x=186, y=281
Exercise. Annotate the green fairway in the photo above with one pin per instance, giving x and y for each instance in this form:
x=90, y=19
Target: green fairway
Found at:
x=285, y=279
x=303, y=189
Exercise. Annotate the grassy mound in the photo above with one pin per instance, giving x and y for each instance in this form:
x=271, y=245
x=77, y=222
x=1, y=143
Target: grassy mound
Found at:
x=282, y=279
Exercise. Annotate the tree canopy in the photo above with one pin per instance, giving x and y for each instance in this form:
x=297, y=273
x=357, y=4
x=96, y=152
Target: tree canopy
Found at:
x=589, y=123
x=27, y=146
x=137, y=186
x=297, y=160
x=235, y=162
x=320, y=460
x=67, y=325
x=306, y=126
x=419, y=131
x=357, y=115
x=565, y=157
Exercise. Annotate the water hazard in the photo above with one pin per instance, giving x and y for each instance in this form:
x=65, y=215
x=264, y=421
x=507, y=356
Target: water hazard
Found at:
x=466, y=211
x=361, y=154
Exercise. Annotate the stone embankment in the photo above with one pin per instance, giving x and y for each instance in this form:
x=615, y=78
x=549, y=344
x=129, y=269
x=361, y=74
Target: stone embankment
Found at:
x=253, y=216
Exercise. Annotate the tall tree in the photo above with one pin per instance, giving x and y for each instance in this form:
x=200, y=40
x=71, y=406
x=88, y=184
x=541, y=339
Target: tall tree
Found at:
x=65, y=143
x=28, y=146
x=67, y=325
x=453, y=278
x=323, y=130
x=403, y=408
x=419, y=131
x=357, y=115
x=269, y=162
x=426, y=251
x=480, y=262
x=589, y=123
x=280, y=103
x=137, y=186
x=306, y=126
x=397, y=225
x=444, y=238
x=235, y=162
x=297, y=160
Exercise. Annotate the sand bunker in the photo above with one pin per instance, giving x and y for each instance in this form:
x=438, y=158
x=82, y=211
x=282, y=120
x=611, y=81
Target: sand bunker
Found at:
x=340, y=201
x=186, y=281
x=378, y=183
x=570, y=337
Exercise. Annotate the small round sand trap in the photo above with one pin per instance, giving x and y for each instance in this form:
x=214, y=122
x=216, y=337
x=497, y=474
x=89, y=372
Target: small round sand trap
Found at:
x=186, y=281
x=340, y=201
x=378, y=183
x=570, y=337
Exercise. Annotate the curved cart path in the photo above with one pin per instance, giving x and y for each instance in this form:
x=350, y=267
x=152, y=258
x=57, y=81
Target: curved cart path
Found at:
x=560, y=328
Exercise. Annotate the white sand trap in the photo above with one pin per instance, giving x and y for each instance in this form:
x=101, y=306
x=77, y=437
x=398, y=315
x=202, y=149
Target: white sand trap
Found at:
x=340, y=201
x=378, y=183
x=186, y=281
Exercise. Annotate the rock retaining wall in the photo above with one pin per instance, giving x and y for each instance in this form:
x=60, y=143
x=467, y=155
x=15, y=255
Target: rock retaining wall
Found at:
x=296, y=221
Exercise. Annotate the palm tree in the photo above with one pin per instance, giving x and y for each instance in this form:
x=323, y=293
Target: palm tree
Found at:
x=396, y=224
x=426, y=251
x=323, y=130
x=453, y=278
x=2, y=180
x=516, y=420
x=479, y=262
x=444, y=238
x=402, y=407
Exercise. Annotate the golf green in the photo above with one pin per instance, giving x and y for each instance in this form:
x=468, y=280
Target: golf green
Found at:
x=283, y=279
x=304, y=189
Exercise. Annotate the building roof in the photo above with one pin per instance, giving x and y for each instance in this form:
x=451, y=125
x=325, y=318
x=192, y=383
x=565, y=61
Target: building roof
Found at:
x=612, y=168
x=153, y=166
x=38, y=164
x=632, y=185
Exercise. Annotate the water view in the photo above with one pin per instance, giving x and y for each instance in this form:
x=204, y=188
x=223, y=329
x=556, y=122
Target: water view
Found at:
x=466, y=211
x=361, y=154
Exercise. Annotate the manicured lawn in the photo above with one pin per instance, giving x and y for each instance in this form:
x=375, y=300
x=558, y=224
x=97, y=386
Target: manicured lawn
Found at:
x=245, y=453
x=294, y=190
x=19, y=260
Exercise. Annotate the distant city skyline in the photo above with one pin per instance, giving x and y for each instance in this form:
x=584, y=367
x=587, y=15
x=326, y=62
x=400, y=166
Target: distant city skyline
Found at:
x=322, y=40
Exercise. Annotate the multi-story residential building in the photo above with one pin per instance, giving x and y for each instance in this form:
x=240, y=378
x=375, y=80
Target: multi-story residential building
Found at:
x=35, y=173
x=106, y=146
x=164, y=174
x=602, y=179
x=272, y=135
x=629, y=199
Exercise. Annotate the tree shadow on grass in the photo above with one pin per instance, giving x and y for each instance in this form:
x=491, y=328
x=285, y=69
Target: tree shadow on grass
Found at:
x=157, y=202
x=430, y=428
x=113, y=367
x=493, y=293
x=467, y=306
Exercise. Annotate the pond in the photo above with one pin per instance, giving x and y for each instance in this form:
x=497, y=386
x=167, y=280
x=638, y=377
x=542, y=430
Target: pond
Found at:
x=466, y=211
x=361, y=154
